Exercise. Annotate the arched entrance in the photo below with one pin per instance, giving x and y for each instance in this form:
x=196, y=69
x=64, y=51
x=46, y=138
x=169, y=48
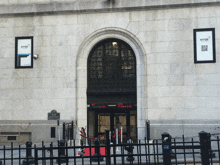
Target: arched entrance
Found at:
x=81, y=116
x=111, y=89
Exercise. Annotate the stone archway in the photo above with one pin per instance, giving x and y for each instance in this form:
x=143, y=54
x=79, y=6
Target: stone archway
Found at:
x=81, y=73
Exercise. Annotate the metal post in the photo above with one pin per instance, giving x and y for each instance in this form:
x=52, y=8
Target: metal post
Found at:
x=64, y=130
x=117, y=138
x=166, y=144
x=51, y=153
x=108, y=156
x=96, y=157
x=71, y=131
x=205, y=147
x=121, y=135
x=36, y=154
x=29, y=159
x=43, y=154
x=129, y=148
x=61, y=152
x=148, y=130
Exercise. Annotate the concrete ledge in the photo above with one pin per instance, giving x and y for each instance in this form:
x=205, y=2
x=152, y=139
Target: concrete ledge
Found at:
x=98, y=6
x=34, y=130
x=188, y=128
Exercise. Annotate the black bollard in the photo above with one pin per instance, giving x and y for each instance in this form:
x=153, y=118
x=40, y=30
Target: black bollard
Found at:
x=0, y=162
x=61, y=152
x=129, y=148
x=166, y=144
x=29, y=158
x=206, y=151
x=96, y=157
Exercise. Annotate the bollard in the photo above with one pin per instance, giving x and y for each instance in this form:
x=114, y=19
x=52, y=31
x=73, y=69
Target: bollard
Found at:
x=205, y=147
x=129, y=148
x=166, y=144
x=0, y=162
x=96, y=157
x=29, y=159
x=61, y=152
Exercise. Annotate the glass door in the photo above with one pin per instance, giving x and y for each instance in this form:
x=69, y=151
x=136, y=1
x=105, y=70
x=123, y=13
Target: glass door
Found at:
x=104, y=122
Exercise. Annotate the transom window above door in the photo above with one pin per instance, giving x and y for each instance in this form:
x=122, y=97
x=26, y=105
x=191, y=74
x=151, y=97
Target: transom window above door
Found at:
x=112, y=67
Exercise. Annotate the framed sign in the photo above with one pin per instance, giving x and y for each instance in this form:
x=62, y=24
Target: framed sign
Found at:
x=24, y=52
x=204, y=45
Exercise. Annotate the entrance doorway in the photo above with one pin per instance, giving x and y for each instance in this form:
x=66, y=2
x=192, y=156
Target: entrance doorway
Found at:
x=111, y=90
x=122, y=120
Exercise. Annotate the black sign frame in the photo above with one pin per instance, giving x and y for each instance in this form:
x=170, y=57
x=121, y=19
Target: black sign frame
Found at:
x=18, y=57
x=212, y=53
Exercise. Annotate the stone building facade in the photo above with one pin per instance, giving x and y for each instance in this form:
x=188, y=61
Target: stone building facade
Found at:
x=173, y=92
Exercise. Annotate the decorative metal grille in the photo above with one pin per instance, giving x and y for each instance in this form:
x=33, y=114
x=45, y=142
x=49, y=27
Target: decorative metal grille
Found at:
x=112, y=68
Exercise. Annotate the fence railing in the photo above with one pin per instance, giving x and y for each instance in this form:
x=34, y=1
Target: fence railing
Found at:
x=167, y=150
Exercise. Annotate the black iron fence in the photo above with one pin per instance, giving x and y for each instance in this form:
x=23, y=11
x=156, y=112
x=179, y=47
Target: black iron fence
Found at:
x=203, y=150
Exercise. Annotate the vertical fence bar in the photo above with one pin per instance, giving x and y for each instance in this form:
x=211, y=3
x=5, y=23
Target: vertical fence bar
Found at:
x=1, y=158
x=138, y=152
x=74, y=144
x=82, y=151
x=67, y=160
x=114, y=147
x=19, y=154
x=157, y=152
x=43, y=154
x=108, y=156
x=4, y=154
x=64, y=129
x=166, y=144
x=145, y=147
x=204, y=142
x=154, y=152
x=210, y=150
x=59, y=160
x=68, y=131
x=71, y=132
x=51, y=153
x=148, y=149
x=11, y=152
x=184, y=151
x=218, y=149
x=122, y=152
x=35, y=154
x=193, y=152
x=148, y=130
x=174, y=141
x=90, y=152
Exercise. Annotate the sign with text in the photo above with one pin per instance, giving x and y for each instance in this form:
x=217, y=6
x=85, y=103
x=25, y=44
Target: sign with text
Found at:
x=204, y=45
x=23, y=52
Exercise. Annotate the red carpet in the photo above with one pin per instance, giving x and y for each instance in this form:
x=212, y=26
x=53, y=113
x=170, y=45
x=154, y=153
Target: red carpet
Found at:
x=87, y=151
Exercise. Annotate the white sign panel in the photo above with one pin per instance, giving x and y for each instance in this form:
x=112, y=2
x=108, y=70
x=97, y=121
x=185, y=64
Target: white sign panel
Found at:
x=24, y=52
x=204, y=45
x=24, y=49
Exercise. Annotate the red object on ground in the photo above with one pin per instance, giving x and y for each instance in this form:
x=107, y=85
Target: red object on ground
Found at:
x=87, y=151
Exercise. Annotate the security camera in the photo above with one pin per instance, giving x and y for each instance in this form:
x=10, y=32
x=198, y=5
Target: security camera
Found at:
x=35, y=56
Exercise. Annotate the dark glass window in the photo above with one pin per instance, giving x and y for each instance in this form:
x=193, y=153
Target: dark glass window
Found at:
x=112, y=68
x=11, y=137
